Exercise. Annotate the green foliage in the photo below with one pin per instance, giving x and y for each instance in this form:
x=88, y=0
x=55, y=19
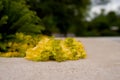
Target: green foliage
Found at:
x=61, y=14
x=3, y=20
x=15, y=16
x=102, y=25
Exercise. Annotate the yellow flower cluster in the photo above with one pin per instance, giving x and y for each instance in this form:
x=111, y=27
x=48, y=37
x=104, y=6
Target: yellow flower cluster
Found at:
x=44, y=48
x=15, y=50
x=54, y=49
x=18, y=46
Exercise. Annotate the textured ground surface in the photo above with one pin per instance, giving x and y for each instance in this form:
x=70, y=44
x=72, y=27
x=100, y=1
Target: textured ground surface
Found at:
x=102, y=63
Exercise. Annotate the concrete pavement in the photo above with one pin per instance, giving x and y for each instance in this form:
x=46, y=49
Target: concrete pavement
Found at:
x=102, y=63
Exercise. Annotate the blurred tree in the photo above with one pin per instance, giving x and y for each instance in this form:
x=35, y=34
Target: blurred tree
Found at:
x=112, y=18
x=15, y=16
x=98, y=24
x=62, y=13
x=103, y=24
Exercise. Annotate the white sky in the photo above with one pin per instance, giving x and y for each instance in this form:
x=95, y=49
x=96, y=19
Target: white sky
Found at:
x=113, y=5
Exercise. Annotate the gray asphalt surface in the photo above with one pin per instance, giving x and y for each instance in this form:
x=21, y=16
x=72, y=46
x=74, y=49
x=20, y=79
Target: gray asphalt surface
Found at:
x=102, y=63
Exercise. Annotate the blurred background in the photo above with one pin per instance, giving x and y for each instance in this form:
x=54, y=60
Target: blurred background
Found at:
x=60, y=17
